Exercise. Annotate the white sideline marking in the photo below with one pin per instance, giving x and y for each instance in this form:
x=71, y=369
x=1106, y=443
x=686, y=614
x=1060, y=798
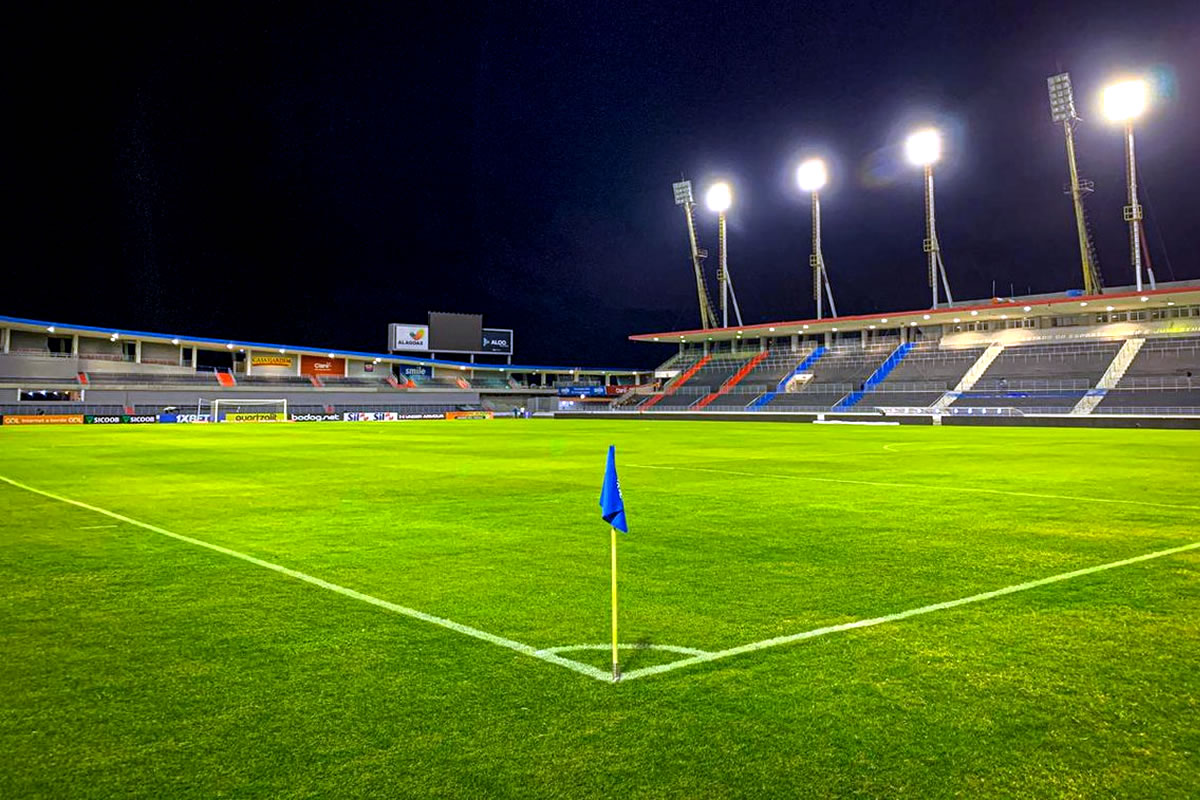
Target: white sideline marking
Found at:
x=466, y=630
x=937, y=488
x=550, y=655
x=670, y=648
x=912, y=612
x=94, y=527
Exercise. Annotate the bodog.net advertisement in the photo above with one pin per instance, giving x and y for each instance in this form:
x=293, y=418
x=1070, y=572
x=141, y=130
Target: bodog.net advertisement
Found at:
x=42, y=419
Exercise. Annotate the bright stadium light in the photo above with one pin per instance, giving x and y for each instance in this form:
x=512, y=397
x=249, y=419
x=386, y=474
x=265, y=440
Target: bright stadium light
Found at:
x=719, y=197
x=1125, y=100
x=924, y=147
x=811, y=175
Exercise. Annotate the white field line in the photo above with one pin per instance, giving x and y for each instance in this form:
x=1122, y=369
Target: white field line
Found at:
x=928, y=487
x=466, y=630
x=912, y=612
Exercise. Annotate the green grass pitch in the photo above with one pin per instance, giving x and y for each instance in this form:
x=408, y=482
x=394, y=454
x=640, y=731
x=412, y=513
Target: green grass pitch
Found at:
x=136, y=665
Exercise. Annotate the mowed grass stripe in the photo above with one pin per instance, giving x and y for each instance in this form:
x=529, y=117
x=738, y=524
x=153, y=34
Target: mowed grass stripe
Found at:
x=466, y=630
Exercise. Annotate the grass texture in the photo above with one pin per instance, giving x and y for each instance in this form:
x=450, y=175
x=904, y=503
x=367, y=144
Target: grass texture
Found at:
x=139, y=666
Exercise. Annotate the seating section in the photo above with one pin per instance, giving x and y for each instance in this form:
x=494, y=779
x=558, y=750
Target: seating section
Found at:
x=1165, y=374
x=1049, y=378
x=837, y=373
x=925, y=374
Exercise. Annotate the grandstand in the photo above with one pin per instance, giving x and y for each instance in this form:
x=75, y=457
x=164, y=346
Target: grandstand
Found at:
x=55, y=369
x=1040, y=355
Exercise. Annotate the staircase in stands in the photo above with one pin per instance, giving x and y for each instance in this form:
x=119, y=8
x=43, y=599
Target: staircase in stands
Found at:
x=732, y=381
x=877, y=377
x=678, y=381
x=972, y=376
x=1111, y=377
x=804, y=366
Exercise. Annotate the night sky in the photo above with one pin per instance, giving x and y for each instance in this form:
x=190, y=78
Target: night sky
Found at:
x=309, y=173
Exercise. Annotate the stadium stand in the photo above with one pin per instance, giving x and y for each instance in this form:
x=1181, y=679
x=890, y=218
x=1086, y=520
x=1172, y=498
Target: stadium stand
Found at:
x=1050, y=378
x=1165, y=374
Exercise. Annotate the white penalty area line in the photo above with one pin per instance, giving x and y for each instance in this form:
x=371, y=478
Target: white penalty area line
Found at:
x=466, y=630
x=912, y=612
x=926, y=486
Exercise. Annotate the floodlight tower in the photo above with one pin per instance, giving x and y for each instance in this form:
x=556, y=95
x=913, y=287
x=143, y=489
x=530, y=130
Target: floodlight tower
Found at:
x=1124, y=102
x=812, y=176
x=719, y=198
x=683, y=197
x=1062, y=109
x=923, y=149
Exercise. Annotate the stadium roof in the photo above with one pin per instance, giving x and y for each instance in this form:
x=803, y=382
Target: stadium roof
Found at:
x=383, y=358
x=1124, y=298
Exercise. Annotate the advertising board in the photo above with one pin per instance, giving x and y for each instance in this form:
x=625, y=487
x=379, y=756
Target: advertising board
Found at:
x=42, y=419
x=416, y=370
x=252, y=416
x=469, y=415
x=271, y=361
x=582, y=391
x=321, y=366
x=497, y=340
x=316, y=417
x=408, y=337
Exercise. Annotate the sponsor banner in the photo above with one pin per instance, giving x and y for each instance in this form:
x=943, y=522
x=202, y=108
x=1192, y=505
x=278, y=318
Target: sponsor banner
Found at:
x=140, y=419
x=621, y=388
x=368, y=367
x=272, y=361
x=418, y=370
x=469, y=415
x=314, y=365
x=42, y=419
x=252, y=416
x=103, y=419
x=385, y=416
x=498, y=340
x=581, y=391
x=316, y=417
x=408, y=337
x=185, y=418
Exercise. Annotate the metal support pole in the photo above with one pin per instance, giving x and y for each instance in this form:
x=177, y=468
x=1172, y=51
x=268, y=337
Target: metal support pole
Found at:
x=723, y=270
x=706, y=320
x=1133, y=211
x=815, y=261
x=930, y=244
x=1091, y=284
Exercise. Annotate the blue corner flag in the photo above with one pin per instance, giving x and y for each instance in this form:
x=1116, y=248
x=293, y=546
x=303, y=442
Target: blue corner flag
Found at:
x=612, y=505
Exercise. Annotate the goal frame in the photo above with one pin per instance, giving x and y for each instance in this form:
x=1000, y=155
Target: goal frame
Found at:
x=216, y=405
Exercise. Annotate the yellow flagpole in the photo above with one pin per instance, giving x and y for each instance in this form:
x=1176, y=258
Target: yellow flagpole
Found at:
x=615, y=661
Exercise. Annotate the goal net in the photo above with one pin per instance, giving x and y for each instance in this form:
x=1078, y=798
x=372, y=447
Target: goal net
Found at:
x=249, y=410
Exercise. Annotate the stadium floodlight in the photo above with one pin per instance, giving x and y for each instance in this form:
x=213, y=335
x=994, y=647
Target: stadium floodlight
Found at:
x=1125, y=101
x=924, y=148
x=719, y=198
x=683, y=197
x=812, y=176
x=1062, y=111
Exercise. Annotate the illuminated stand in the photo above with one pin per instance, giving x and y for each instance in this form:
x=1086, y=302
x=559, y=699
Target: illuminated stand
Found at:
x=923, y=149
x=1062, y=109
x=683, y=197
x=1125, y=102
x=719, y=198
x=812, y=177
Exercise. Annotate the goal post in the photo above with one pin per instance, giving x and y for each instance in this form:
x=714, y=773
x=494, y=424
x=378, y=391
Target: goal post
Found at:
x=244, y=410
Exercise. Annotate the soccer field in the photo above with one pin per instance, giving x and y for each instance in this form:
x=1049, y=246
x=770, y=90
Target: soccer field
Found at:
x=398, y=609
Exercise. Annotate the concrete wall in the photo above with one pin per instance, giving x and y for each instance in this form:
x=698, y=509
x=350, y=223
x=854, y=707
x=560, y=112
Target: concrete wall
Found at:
x=154, y=351
x=19, y=366
x=104, y=347
x=357, y=369
x=28, y=340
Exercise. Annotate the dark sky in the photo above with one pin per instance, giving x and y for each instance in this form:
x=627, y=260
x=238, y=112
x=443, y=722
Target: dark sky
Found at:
x=310, y=172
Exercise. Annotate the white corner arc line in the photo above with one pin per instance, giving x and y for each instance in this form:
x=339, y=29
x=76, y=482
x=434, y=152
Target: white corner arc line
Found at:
x=466, y=630
x=912, y=612
x=925, y=486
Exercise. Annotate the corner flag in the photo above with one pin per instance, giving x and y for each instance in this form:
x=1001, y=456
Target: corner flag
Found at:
x=612, y=505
